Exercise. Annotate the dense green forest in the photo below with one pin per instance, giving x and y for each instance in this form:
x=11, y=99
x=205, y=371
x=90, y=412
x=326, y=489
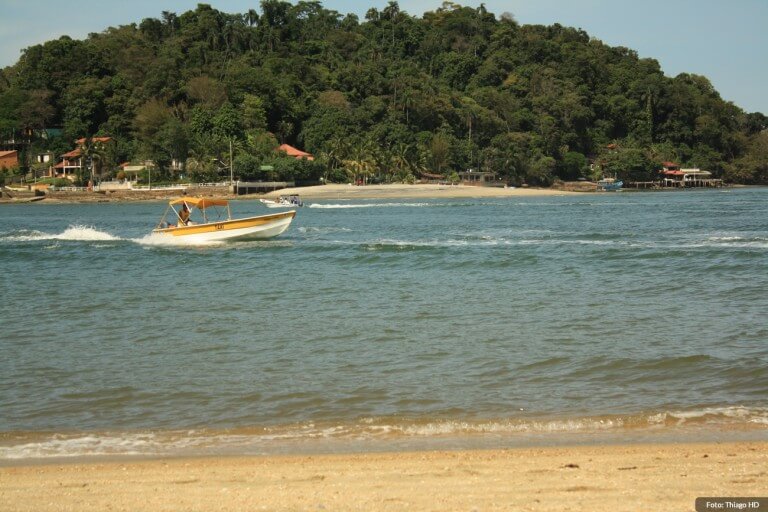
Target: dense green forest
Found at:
x=390, y=98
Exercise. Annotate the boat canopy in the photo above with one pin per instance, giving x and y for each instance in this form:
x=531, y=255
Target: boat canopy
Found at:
x=200, y=202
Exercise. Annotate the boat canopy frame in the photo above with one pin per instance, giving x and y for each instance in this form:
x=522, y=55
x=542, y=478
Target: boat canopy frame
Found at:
x=201, y=204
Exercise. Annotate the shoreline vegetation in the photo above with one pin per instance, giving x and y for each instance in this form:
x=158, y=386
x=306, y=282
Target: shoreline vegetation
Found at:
x=299, y=93
x=594, y=478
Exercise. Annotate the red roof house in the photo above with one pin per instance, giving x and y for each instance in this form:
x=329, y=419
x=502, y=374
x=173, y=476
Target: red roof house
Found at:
x=295, y=153
x=80, y=142
x=72, y=161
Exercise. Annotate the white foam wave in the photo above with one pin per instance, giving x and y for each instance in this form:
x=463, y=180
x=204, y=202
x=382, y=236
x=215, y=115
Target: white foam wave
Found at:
x=370, y=205
x=85, y=233
x=322, y=230
x=716, y=415
x=161, y=240
x=61, y=446
x=259, y=440
x=737, y=241
x=408, y=244
x=511, y=427
x=72, y=233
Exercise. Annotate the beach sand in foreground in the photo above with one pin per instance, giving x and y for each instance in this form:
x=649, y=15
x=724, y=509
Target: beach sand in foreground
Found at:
x=402, y=191
x=585, y=478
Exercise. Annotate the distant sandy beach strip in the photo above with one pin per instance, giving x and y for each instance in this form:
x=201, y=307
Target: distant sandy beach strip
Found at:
x=402, y=191
x=318, y=192
x=585, y=478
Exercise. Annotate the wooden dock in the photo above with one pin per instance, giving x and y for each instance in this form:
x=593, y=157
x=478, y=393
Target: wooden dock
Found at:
x=677, y=184
x=260, y=187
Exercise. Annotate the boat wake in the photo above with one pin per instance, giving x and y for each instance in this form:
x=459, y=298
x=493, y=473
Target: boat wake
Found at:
x=160, y=240
x=370, y=205
x=76, y=233
x=79, y=233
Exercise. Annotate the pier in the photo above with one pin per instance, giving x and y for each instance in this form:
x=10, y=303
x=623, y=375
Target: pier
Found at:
x=260, y=187
x=671, y=184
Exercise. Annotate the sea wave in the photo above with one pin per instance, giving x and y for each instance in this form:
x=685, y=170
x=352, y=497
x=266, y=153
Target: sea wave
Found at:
x=317, y=230
x=368, y=433
x=749, y=242
x=712, y=415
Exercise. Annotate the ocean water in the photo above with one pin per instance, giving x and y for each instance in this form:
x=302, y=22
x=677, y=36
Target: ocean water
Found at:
x=386, y=324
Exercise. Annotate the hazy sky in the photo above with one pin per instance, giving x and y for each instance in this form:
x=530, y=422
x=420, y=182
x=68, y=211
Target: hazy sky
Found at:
x=724, y=40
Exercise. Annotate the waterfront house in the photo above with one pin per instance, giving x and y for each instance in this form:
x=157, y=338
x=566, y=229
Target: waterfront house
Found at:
x=675, y=176
x=71, y=163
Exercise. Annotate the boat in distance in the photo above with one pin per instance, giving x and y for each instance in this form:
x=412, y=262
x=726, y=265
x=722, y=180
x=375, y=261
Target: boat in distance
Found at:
x=191, y=219
x=283, y=202
x=609, y=185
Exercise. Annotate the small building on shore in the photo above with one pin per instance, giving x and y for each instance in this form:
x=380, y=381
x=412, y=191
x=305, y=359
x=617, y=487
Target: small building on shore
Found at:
x=674, y=176
x=9, y=159
x=430, y=177
x=480, y=178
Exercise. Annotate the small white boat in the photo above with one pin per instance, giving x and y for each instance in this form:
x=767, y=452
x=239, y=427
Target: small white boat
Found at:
x=199, y=226
x=292, y=201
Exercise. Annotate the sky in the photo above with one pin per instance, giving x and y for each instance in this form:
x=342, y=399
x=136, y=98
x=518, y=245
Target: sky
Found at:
x=724, y=40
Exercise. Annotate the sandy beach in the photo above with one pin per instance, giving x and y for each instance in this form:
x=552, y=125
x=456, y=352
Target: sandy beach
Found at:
x=318, y=192
x=403, y=191
x=583, y=478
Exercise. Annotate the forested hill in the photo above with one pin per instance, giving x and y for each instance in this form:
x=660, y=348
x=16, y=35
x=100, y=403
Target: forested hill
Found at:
x=391, y=96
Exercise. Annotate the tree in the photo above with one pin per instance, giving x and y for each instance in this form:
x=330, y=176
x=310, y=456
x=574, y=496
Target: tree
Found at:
x=254, y=114
x=93, y=153
x=628, y=163
x=752, y=167
x=574, y=166
x=206, y=91
x=440, y=151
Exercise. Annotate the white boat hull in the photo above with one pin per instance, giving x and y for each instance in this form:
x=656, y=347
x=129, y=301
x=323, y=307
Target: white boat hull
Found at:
x=252, y=228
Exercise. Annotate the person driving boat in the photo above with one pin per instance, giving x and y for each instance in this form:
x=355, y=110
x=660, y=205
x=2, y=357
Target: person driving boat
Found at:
x=184, y=215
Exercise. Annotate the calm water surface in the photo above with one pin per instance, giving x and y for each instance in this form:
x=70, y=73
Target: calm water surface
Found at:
x=404, y=322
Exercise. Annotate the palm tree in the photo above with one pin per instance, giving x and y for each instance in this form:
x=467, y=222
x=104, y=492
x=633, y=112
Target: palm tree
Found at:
x=400, y=159
x=284, y=130
x=92, y=155
x=361, y=164
x=251, y=17
x=170, y=21
x=335, y=154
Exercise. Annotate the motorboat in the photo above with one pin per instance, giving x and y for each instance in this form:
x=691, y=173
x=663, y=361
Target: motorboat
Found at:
x=292, y=201
x=206, y=219
x=609, y=185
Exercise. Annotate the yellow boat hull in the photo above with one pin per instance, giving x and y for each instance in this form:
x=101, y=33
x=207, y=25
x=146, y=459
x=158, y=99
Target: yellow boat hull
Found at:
x=250, y=228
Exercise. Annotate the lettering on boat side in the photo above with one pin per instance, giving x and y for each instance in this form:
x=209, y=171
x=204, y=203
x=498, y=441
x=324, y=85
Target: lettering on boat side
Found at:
x=219, y=226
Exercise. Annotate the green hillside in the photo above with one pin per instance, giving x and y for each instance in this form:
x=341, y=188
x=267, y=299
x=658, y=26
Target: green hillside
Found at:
x=388, y=97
